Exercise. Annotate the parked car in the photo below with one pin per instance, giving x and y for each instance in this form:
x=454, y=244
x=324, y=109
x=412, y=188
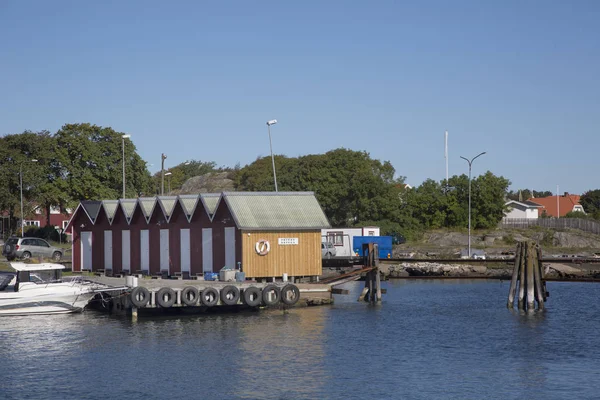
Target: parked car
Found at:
x=327, y=249
x=25, y=248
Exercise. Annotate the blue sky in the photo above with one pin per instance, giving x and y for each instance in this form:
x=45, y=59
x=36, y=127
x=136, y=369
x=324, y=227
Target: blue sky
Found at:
x=198, y=80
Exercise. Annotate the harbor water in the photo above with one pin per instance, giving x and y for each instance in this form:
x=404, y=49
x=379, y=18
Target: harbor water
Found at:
x=430, y=339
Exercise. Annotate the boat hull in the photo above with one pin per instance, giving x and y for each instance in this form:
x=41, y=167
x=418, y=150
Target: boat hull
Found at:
x=50, y=305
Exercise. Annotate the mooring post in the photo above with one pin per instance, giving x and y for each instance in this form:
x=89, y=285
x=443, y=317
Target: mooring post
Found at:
x=522, y=259
x=531, y=254
x=513, y=282
x=539, y=295
x=376, y=272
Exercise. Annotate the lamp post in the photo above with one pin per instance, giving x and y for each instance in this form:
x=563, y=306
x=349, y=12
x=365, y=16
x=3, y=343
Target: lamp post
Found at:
x=169, y=175
x=162, y=174
x=269, y=123
x=470, y=163
x=21, y=187
x=124, y=137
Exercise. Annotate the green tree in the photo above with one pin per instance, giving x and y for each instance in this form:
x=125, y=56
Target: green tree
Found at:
x=590, y=201
x=487, y=200
x=89, y=163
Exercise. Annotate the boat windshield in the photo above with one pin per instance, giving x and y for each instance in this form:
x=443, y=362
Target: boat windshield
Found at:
x=44, y=276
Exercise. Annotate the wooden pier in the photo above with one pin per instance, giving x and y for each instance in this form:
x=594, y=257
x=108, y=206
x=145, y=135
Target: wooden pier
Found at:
x=148, y=295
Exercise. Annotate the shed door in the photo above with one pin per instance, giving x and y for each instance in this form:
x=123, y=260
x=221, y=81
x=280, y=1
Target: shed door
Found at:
x=145, y=250
x=230, y=247
x=207, y=250
x=86, y=250
x=126, y=251
x=164, y=250
x=185, y=250
x=108, y=250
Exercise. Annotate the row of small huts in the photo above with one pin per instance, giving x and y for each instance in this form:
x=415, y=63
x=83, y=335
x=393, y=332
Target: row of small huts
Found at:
x=265, y=234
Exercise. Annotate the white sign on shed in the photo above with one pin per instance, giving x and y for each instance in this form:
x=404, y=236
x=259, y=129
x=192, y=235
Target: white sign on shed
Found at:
x=287, y=241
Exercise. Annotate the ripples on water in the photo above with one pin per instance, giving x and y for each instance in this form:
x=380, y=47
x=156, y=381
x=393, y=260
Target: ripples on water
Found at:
x=429, y=340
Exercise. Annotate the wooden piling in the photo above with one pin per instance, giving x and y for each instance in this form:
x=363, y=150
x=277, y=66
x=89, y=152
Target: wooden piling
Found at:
x=529, y=277
x=521, y=301
x=515, y=276
x=531, y=255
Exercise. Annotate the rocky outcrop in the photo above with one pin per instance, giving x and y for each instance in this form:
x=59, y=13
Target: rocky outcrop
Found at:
x=450, y=270
x=213, y=182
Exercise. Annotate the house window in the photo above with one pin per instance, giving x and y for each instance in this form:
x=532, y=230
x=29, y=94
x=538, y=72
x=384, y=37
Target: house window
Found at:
x=337, y=238
x=32, y=223
x=64, y=224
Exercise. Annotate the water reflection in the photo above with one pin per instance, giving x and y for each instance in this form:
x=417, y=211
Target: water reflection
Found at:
x=283, y=354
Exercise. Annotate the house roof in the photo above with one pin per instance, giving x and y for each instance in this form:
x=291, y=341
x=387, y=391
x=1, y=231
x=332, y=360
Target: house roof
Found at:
x=250, y=210
x=551, y=205
x=526, y=204
x=275, y=210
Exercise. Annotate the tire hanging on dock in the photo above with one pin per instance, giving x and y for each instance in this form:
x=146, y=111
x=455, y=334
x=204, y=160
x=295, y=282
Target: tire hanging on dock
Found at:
x=140, y=296
x=166, y=297
x=189, y=296
x=252, y=296
x=209, y=297
x=271, y=295
x=290, y=294
x=230, y=295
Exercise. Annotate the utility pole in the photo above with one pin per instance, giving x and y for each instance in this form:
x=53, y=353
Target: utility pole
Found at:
x=162, y=174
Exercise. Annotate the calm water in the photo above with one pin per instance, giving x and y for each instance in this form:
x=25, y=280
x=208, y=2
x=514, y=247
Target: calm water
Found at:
x=429, y=340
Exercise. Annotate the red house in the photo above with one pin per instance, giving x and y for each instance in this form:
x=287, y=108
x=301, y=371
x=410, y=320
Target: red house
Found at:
x=194, y=234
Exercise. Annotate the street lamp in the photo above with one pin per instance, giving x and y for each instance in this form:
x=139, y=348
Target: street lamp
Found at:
x=169, y=175
x=21, y=187
x=269, y=123
x=162, y=174
x=470, y=163
x=124, y=137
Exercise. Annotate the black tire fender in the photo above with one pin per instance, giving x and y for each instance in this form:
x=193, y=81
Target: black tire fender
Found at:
x=166, y=297
x=252, y=296
x=140, y=296
x=189, y=296
x=271, y=295
x=290, y=294
x=230, y=295
x=209, y=297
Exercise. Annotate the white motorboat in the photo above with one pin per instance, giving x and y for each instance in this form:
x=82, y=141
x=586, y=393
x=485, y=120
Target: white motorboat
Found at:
x=40, y=289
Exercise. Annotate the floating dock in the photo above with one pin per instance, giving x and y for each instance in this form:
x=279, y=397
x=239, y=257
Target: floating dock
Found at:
x=174, y=295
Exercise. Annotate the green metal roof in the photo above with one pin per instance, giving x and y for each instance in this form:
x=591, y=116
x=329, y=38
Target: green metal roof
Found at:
x=276, y=210
x=210, y=201
x=147, y=205
x=110, y=208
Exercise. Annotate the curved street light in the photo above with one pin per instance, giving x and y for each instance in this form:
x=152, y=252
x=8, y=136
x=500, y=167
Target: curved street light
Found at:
x=123, y=137
x=470, y=163
x=269, y=123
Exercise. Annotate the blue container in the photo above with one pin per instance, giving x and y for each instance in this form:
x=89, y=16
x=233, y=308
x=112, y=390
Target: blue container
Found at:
x=240, y=276
x=211, y=276
x=384, y=242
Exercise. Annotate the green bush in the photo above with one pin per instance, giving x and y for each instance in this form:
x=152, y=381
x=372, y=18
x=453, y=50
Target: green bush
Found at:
x=47, y=232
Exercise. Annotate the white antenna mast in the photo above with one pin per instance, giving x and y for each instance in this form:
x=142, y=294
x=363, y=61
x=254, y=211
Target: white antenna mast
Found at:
x=446, y=155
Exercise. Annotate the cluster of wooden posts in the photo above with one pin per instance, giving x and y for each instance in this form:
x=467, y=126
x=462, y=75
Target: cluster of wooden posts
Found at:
x=528, y=275
x=372, y=291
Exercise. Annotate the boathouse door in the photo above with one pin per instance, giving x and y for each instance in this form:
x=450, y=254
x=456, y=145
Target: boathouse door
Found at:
x=207, y=250
x=230, y=247
x=126, y=251
x=145, y=250
x=108, y=249
x=164, y=250
x=185, y=250
x=86, y=251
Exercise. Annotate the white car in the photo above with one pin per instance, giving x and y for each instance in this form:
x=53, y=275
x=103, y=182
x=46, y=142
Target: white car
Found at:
x=327, y=249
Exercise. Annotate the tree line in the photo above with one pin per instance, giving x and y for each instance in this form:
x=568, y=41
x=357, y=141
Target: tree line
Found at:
x=85, y=161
